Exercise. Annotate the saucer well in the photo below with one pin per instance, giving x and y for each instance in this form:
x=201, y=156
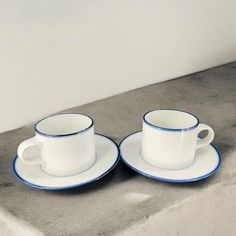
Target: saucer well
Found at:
x=107, y=156
x=207, y=161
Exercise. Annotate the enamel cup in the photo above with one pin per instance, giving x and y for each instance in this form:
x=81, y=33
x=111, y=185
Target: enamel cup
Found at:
x=170, y=138
x=63, y=145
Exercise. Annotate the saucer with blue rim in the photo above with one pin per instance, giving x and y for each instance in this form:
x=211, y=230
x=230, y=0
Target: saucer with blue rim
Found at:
x=207, y=162
x=107, y=156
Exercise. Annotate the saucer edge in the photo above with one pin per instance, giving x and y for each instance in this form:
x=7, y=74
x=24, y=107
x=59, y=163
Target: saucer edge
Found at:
x=171, y=180
x=35, y=186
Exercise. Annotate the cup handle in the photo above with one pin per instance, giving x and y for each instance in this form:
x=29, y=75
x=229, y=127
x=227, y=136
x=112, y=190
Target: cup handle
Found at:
x=29, y=151
x=208, y=139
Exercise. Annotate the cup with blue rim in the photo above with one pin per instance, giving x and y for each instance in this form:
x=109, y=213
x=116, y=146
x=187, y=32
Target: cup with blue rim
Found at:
x=170, y=138
x=63, y=145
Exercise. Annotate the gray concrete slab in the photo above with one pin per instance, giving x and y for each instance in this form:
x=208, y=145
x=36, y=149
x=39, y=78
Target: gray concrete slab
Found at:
x=210, y=212
x=123, y=198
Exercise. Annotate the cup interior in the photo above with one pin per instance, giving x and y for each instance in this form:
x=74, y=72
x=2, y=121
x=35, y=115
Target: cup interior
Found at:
x=171, y=119
x=64, y=124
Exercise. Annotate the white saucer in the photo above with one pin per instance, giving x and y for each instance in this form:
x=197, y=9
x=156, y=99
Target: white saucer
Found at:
x=206, y=163
x=107, y=156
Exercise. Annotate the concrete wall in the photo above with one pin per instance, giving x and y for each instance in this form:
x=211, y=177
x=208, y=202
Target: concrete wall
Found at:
x=61, y=53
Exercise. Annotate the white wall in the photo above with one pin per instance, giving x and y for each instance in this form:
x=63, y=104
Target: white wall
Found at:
x=56, y=54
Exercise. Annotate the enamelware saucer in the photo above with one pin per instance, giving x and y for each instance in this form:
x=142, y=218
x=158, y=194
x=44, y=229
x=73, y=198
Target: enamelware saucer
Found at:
x=107, y=156
x=207, y=161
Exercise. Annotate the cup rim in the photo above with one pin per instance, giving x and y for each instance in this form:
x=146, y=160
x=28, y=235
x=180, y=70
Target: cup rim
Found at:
x=171, y=129
x=63, y=135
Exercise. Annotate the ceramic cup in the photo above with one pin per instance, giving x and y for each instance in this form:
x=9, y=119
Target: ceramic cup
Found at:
x=170, y=138
x=63, y=145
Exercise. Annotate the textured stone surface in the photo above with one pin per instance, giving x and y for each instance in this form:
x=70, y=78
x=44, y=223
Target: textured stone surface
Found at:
x=123, y=198
x=210, y=212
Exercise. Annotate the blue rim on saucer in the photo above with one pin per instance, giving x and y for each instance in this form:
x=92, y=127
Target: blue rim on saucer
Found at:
x=170, y=180
x=35, y=186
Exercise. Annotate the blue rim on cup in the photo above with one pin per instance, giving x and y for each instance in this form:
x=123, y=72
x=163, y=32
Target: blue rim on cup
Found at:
x=170, y=129
x=62, y=135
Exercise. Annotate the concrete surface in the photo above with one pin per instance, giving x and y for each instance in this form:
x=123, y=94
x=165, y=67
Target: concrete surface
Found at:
x=208, y=212
x=125, y=203
x=12, y=226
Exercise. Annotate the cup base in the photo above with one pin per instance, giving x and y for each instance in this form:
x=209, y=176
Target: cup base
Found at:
x=164, y=166
x=68, y=173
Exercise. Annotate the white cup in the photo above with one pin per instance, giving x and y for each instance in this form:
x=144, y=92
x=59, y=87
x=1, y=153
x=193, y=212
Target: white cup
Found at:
x=170, y=138
x=63, y=145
